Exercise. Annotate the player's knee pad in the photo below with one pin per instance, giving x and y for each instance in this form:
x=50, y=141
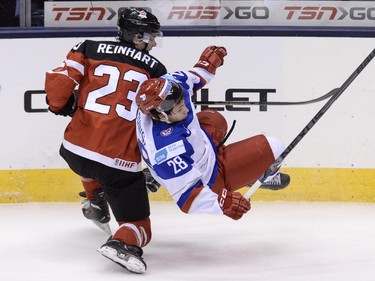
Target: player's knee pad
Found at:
x=214, y=123
x=134, y=233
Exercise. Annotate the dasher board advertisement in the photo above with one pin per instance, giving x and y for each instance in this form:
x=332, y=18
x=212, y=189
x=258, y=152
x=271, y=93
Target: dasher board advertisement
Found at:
x=215, y=13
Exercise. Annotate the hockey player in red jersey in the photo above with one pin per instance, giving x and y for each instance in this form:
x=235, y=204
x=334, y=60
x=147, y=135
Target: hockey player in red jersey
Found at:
x=97, y=86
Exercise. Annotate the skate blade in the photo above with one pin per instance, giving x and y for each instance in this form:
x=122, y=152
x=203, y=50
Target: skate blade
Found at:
x=129, y=262
x=103, y=226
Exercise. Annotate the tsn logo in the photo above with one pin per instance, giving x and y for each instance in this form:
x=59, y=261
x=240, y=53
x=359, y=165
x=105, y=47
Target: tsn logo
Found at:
x=213, y=12
x=330, y=13
x=83, y=13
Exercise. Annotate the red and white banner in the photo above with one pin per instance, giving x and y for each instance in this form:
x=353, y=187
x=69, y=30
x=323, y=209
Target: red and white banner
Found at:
x=216, y=13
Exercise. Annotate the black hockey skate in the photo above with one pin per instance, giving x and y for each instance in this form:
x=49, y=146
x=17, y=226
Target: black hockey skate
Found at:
x=127, y=256
x=97, y=210
x=279, y=181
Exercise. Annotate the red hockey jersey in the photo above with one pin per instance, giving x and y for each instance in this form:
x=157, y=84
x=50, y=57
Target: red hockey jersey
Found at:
x=107, y=75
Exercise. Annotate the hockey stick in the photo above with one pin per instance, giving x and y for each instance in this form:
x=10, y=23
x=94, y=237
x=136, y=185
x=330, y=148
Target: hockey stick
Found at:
x=307, y=128
x=326, y=96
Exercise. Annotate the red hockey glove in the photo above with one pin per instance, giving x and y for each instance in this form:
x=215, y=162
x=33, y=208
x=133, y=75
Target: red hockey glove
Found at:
x=211, y=58
x=233, y=204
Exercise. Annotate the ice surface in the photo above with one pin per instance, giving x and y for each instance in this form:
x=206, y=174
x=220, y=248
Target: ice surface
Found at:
x=276, y=241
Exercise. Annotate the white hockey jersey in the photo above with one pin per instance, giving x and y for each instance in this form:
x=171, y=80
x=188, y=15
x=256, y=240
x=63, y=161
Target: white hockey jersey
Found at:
x=181, y=156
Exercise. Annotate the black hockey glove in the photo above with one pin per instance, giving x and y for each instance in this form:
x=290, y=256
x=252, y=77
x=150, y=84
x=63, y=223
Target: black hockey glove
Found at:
x=151, y=184
x=69, y=108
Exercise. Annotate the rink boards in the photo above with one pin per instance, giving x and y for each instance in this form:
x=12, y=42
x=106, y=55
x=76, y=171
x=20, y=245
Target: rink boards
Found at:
x=334, y=162
x=317, y=185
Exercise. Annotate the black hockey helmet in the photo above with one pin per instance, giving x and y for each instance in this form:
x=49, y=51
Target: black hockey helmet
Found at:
x=132, y=21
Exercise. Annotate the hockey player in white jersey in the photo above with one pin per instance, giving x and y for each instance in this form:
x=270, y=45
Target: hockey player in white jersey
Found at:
x=183, y=149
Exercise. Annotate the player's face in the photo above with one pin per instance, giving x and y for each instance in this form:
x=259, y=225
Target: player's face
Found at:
x=179, y=112
x=145, y=46
x=147, y=41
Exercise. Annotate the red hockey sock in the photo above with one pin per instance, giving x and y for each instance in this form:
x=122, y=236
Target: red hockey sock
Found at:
x=90, y=186
x=134, y=233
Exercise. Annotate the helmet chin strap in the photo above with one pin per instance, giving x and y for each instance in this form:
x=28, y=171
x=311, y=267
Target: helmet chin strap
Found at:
x=166, y=117
x=145, y=48
x=138, y=42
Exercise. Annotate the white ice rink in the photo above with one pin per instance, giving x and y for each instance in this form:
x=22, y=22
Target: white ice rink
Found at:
x=276, y=241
